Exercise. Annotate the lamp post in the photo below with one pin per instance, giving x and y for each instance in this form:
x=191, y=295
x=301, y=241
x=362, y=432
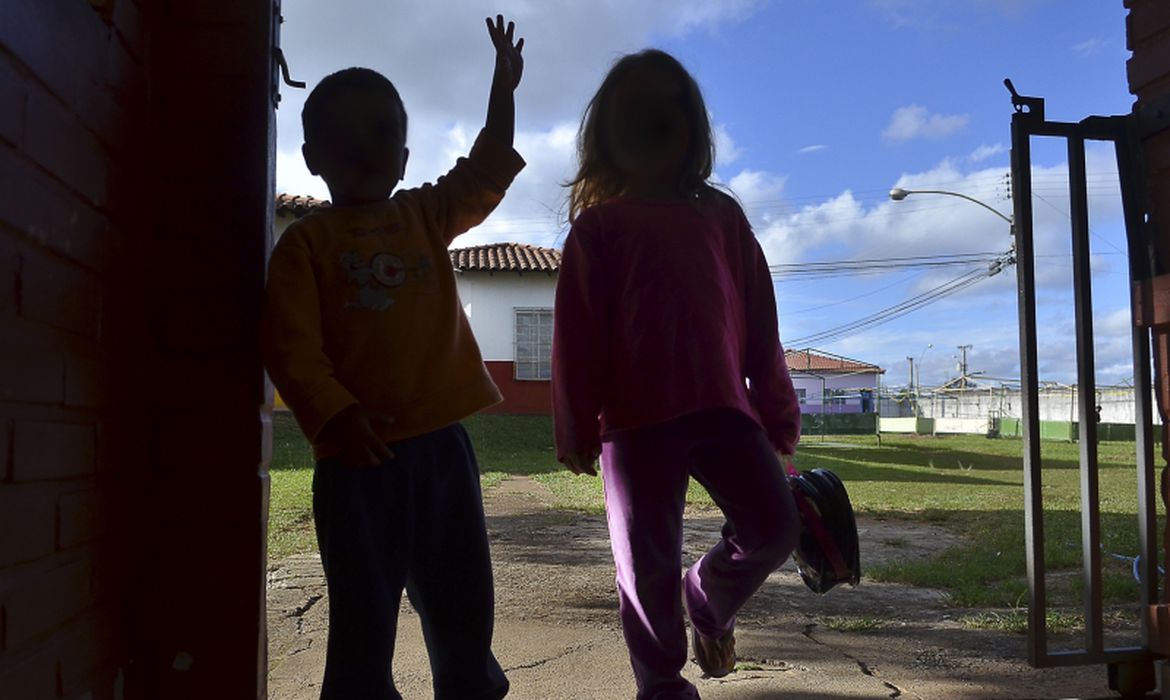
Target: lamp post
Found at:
x=898, y=194
x=918, y=370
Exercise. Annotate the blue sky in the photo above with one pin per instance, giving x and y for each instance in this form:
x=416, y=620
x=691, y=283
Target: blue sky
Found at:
x=821, y=108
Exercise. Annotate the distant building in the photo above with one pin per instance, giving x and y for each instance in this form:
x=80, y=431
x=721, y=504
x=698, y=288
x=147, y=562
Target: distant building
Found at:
x=828, y=383
x=507, y=290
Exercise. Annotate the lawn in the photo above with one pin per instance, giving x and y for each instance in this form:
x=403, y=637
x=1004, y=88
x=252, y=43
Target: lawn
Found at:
x=968, y=484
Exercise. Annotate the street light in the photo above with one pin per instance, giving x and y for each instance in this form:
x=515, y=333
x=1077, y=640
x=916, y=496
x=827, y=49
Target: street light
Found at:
x=898, y=194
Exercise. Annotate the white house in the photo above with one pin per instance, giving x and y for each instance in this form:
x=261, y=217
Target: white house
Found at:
x=507, y=290
x=828, y=383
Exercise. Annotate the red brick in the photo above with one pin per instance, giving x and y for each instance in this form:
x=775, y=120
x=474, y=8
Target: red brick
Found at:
x=195, y=601
x=237, y=497
x=44, y=210
x=216, y=225
x=130, y=28
x=31, y=678
x=77, y=517
x=204, y=325
x=221, y=101
x=5, y=450
x=1149, y=63
x=43, y=451
x=30, y=372
x=9, y=272
x=223, y=50
x=90, y=649
x=217, y=13
x=28, y=511
x=1147, y=19
x=123, y=447
x=208, y=154
x=224, y=382
x=13, y=106
x=59, y=294
x=31, y=31
x=1157, y=153
x=84, y=381
x=58, y=142
x=41, y=601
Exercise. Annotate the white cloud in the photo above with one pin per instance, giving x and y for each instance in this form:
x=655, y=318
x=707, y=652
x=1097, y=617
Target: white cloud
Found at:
x=849, y=226
x=756, y=188
x=726, y=150
x=812, y=148
x=1089, y=47
x=439, y=56
x=294, y=178
x=915, y=121
x=984, y=152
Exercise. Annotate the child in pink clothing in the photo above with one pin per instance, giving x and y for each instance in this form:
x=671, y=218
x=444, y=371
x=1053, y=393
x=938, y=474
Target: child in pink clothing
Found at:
x=667, y=363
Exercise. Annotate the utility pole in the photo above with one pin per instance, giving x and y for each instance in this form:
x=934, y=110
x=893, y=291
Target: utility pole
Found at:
x=910, y=387
x=963, y=366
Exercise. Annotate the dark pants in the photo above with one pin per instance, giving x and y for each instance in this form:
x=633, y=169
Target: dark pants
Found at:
x=415, y=522
x=645, y=474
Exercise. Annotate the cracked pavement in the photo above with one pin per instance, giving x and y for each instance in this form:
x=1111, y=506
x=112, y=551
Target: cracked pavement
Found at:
x=557, y=632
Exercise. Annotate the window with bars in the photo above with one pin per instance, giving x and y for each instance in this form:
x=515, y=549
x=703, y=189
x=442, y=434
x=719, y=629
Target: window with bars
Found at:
x=533, y=344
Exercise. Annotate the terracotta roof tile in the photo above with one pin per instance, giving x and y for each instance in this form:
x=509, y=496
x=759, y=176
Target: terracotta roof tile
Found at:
x=506, y=257
x=825, y=363
x=298, y=205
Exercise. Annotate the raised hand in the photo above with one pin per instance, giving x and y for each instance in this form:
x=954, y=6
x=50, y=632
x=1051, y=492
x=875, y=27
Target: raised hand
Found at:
x=509, y=61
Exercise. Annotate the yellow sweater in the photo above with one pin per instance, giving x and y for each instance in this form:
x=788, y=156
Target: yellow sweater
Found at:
x=361, y=305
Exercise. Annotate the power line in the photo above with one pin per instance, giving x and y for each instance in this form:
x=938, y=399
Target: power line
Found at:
x=872, y=266
x=906, y=306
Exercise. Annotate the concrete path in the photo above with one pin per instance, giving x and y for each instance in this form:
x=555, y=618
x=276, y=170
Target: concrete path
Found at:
x=557, y=633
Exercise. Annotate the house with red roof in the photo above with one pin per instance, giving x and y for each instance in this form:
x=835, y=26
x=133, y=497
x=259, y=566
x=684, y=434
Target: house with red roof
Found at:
x=507, y=290
x=828, y=383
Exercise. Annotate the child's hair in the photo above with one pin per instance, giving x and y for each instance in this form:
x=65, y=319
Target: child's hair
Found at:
x=313, y=113
x=598, y=177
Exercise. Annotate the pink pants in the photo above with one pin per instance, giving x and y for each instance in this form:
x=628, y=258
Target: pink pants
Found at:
x=645, y=474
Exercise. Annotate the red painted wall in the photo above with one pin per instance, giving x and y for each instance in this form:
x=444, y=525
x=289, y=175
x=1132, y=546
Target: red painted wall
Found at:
x=135, y=205
x=520, y=397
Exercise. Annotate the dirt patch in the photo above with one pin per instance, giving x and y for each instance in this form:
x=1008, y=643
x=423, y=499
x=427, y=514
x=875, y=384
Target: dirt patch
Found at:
x=554, y=576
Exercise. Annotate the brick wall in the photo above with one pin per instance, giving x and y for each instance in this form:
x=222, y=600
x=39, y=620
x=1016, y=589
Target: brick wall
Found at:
x=1148, y=37
x=135, y=191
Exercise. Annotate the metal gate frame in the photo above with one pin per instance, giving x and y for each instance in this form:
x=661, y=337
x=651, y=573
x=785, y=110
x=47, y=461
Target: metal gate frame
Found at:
x=1028, y=121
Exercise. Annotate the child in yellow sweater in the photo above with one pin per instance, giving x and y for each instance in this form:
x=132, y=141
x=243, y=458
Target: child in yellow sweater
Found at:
x=364, y=336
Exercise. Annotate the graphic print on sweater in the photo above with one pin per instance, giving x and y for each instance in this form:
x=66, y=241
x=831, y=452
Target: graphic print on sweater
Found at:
x=377, y=276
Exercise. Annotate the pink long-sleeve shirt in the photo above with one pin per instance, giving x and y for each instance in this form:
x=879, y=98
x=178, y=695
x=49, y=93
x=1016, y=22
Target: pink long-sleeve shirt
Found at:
x=665, y=309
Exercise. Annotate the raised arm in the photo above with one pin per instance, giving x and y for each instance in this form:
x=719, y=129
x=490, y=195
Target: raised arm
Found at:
x=501, y=114
x=466, y=195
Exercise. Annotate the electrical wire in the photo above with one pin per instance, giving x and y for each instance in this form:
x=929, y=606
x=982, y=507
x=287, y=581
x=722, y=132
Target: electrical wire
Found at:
x=906, y=306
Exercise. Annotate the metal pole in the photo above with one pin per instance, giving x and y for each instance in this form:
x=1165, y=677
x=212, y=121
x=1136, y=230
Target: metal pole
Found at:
x=1021, y=157
x=1140, y=269
x=1086, y=393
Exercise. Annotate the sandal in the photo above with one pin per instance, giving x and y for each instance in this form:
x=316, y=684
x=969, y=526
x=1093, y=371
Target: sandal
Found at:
x=715, y=656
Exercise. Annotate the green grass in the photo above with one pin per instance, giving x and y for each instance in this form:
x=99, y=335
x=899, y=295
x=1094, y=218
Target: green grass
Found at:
x=845, y=623
x=1016, y=621
x=290, y=505
x=967, y=484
